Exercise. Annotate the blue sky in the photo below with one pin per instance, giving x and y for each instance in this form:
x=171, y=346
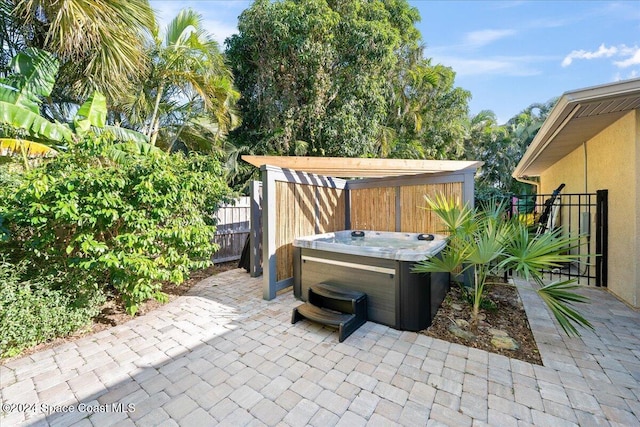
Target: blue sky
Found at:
x=508, y=54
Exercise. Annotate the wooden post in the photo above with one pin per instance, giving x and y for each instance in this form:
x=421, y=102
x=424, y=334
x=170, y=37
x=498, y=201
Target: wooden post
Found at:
x=255, y=236
x=468, y=188
x=268, y=234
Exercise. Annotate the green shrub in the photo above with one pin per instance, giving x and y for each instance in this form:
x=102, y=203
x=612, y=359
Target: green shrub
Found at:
x=129, y=225
x=10, y=176
x=32, y=312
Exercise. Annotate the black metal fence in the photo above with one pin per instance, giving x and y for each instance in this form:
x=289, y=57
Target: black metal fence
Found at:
x=577, y=214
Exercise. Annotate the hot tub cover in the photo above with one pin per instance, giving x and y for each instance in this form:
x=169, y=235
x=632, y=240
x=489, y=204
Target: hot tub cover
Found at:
x=379, y=244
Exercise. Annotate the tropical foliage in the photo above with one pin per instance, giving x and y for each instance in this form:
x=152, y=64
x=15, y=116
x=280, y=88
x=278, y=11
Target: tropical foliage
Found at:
x=485, y=243
x=27, y=133
x=314, y=74
x=325, y=78
x=21, y=95
x=110, y=214
x=501, y=147
x=38, y=310
x=187, y=97
x=100, y=45
x=125, y=226
x=427, y=113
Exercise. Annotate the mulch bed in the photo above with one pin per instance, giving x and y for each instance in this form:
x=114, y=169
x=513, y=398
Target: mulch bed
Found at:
x=508, y=315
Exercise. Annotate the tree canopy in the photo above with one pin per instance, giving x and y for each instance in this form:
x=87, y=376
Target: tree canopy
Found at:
x=427, y=113
x=314, y=74
x=502, y=146
x=187, y=94
x=313, y=77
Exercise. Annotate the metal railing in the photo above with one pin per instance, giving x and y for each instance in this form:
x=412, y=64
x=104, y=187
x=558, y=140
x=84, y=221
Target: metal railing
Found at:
x=576, y=214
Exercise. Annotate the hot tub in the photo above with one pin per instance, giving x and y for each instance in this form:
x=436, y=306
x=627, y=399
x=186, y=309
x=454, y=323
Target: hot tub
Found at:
x=378, y=264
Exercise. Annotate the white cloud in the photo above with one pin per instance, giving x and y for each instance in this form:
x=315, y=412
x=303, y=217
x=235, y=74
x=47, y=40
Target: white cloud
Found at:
x=504, y=66
x=630, y=75
x=484, y=37
x=602, y=52
x=634, y=57
x=628, y=56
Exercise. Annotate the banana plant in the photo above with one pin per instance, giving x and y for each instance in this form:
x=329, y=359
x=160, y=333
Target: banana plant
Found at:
x=21, y=95
x=487, y=244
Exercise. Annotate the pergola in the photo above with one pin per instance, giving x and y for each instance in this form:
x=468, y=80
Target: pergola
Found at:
x=345, y=167
x=300, y=196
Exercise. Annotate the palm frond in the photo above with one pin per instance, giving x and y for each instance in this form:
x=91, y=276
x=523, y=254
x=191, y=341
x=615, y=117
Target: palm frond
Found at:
x=181, y=27
x=486, y=245
x=449, y=260
x=123, y=152
x=93, y=112
x=101, y=39
x=558, y=296
x=456, y=219
x=122, y=134
x=529, y=255
x=34, y=74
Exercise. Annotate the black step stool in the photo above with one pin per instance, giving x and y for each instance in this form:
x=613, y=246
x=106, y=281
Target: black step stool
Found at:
x=333, y=306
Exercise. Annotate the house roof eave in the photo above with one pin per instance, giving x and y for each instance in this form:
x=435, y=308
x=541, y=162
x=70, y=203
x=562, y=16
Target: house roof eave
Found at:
x=577, y=117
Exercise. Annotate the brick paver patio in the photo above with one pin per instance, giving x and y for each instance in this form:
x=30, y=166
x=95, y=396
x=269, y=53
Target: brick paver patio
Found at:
x=223, y=356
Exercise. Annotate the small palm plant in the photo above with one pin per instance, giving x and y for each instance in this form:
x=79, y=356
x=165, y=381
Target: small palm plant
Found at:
x=487, y=243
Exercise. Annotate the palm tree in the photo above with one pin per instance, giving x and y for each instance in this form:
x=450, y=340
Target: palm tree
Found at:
x=409, y=89
x=100, y=44
x=188, y=85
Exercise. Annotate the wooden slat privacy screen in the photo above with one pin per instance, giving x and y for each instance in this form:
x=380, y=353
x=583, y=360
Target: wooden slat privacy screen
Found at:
x=373, y=209
x=415, y=218
x=331, y=209
x=302, y=210
x=294, y=204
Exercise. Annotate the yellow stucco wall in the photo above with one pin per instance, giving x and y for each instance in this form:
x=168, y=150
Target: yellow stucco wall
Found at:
x=612, y=159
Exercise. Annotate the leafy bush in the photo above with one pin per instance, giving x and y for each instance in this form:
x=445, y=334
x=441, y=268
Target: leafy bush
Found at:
x=32, y=312
x=128, y=225
x=10, y=177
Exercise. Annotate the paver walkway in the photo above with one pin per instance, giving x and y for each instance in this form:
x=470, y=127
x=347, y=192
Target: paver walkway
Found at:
x=224, y=356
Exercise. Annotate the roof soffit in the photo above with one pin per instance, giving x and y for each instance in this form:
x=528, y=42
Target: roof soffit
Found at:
x=577, y=117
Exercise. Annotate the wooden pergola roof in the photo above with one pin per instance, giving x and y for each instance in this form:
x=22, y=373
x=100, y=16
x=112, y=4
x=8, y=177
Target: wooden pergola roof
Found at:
x=343, y=167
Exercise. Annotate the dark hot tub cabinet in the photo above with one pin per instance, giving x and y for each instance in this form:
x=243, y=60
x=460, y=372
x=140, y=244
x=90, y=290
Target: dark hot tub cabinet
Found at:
x=378, y=264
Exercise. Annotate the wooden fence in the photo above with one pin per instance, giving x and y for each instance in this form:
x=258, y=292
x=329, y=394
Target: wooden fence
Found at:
x=233, y=228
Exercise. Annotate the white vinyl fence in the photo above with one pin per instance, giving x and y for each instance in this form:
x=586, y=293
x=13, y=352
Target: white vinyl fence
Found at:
x=232, y=230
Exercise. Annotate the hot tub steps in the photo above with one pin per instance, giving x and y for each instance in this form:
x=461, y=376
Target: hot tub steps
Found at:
x=333, y=306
